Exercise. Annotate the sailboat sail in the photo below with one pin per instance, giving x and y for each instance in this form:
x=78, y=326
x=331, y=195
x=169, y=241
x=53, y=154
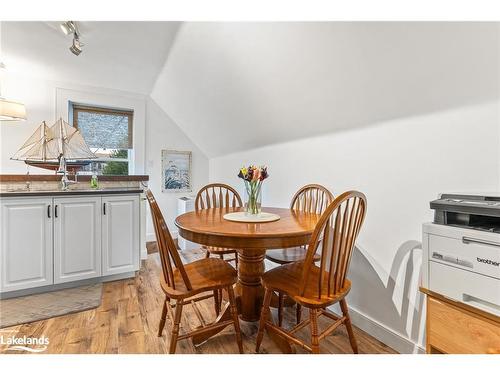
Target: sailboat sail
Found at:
x=50, y=143
x=33, y=147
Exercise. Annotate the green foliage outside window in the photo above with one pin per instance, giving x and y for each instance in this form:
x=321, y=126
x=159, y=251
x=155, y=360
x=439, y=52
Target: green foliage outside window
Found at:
x=117, y=167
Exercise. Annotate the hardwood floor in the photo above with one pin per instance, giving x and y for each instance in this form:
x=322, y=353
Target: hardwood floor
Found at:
x=127, y=322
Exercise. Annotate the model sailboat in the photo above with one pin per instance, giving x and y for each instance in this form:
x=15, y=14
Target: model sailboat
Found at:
x=51, y=147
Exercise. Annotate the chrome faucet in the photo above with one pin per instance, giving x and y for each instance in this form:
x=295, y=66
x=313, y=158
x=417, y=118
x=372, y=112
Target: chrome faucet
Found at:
x=65, y=181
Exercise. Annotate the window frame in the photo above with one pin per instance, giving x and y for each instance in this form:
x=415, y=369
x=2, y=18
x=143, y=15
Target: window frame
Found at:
x=74, y=108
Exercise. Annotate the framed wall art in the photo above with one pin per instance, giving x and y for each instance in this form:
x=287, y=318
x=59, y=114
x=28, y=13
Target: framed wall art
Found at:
x=176, y=171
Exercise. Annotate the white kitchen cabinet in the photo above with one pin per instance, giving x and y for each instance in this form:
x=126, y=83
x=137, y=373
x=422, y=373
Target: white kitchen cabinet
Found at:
x=77, y=238
x=26, y=243
x=48, y=240
x=120, y=234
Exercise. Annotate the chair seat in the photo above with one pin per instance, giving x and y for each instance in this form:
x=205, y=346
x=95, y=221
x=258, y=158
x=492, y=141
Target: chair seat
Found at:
x=289, y=255
x=205, y=275
x=218, y=250
x=287, y=279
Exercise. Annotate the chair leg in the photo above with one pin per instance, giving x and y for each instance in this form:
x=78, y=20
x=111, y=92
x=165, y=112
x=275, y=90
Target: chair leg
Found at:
x=163, y=317
x=281, y=299
x=207, y=254
x=313, y=313
x=236, y=259
x=347, y=322
x=221, y=256
x=221, y=299
x=216, y=302
x=175, y=330
x=298, y=313
x=263, y=317
x=236, y=320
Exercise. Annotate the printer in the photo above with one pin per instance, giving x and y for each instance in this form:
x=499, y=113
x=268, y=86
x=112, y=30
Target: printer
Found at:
x=461, y=250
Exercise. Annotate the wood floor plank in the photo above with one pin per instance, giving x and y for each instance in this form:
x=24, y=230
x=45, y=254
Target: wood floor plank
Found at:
x=127, y=322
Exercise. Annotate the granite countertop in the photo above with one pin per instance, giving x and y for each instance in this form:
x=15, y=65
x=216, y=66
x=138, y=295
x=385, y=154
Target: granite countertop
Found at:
x=53, y=177
x=36, y=193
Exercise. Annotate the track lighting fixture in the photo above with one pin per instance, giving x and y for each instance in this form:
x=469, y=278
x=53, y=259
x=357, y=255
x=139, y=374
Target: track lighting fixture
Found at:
x=68, y=28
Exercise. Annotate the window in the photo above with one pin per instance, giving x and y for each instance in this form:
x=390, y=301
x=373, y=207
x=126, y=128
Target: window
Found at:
x=108, y=132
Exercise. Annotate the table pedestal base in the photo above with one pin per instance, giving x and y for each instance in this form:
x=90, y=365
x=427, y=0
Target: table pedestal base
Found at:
x=249, y=297
x=249, y=290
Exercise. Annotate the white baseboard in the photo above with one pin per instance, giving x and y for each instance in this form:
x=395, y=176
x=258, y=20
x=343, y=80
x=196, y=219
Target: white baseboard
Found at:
x=384, y=334
x=150, y=237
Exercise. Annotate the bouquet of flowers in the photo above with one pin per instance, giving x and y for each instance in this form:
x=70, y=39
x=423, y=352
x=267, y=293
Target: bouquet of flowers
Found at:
x=253, y=177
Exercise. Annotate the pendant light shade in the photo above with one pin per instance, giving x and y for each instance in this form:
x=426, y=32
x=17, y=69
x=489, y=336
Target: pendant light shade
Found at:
x=11, y=111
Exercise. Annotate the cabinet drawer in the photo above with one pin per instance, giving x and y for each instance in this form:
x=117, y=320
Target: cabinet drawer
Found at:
x=479, y=291
x=471, y=253
x=453, y=330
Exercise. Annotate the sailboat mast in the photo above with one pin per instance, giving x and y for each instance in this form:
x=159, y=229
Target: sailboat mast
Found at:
x=43, y=130
x=61, y=137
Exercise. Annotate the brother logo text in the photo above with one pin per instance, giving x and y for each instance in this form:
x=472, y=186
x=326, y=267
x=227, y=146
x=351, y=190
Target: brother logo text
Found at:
x=488, y=261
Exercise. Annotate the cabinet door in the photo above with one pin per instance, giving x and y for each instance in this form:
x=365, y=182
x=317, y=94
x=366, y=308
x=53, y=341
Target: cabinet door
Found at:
x=77, y=238
x=120, y=234
x=26, y=243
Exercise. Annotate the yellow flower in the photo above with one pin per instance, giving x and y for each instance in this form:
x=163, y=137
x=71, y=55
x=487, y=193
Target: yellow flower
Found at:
x=244, y=171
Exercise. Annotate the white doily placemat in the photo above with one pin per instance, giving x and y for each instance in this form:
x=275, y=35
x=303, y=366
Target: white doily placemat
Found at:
x=263, y=217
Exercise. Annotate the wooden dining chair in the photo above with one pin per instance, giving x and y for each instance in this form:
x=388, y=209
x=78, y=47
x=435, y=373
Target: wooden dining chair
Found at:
x=312, y=198
x=317, y=286
x=184, y=284
x=213, y=196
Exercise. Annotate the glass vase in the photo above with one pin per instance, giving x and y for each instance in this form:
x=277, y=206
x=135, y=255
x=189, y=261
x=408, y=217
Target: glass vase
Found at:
x=253, y=197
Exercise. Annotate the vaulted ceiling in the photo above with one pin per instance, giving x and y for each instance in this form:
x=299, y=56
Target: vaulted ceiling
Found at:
x=120, y=55
x=234, y=86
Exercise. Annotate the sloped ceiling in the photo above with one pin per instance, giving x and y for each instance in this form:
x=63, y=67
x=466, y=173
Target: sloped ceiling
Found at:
x=235, y=86
x=120, y=55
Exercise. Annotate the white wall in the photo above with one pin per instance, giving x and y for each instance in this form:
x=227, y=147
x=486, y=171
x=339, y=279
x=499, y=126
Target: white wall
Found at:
x=161, y=134
x=47, y=101
x=400, y=165
x=39, y=99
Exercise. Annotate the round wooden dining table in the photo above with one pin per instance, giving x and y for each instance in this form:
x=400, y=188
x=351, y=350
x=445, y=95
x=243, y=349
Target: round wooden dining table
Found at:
x=251, y=240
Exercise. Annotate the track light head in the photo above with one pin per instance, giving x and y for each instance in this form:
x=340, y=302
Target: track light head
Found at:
x=76, y=47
